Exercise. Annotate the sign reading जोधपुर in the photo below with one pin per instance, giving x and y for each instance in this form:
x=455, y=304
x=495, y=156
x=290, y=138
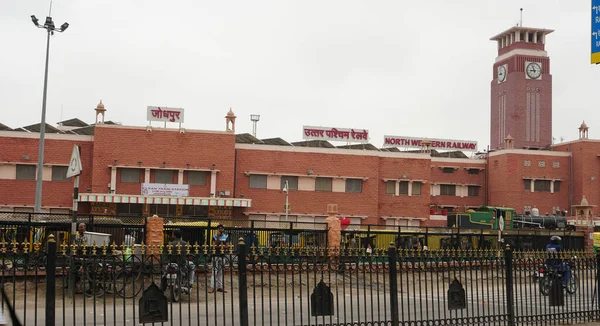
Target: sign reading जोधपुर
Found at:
x=165, y=114
x=595, y=31
x=336, y=134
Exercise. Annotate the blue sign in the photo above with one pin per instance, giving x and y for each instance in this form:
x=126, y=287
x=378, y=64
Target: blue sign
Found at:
x=595, y=31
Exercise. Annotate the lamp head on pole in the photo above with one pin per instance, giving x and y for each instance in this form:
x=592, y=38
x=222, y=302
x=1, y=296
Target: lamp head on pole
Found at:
x=35, y=20
x=285, y=187
x=49, y=24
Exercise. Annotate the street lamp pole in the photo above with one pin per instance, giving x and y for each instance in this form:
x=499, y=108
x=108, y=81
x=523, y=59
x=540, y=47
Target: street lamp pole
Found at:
x=50, y=29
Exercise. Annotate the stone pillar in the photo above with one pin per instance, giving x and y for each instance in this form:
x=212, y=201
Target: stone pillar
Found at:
x=551, y=186
x=397, y=187
x=588, y=237
x=334, y=228
x=180, y=177
x=147, y=176
x=213, y=183
x=410, y=188
x=113, y=179
x=154, y=231
x=532, y=185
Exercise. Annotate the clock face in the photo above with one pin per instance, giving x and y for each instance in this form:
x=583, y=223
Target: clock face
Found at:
x=533, y=70
x=501, y=74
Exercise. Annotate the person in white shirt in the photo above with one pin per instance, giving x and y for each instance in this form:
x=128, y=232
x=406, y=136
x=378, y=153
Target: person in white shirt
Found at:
x=129, y=239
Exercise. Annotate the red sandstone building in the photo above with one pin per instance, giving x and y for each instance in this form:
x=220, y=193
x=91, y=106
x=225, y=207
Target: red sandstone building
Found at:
x=223, y=174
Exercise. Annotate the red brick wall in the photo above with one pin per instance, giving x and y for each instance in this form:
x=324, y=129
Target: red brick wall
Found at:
x=507, y=188
x=586, y=170
x=56, y=151
x=312, y=202
x=460, y=176
x=129, y=145
x=404, y=205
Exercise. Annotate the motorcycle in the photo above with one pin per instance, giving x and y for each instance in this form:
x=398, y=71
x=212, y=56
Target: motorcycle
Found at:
x=174, y=280
x=547, y=274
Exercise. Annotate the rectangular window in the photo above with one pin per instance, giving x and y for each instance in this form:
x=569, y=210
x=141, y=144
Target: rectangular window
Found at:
x=404, y=187
x=292, y=182
x=59, y=173
x=258, y=181
x=196, y=178
x=448, y=170
x=556, y=186
x=163, y=176
x=473, y=171
x=473, y=191
x=448, y=190
x=25, y=172
x=390, y=187
x=541, y=185
x=130, y=175
x=527, y=184
x=353, y=185
x=323, y=184
x=416, y=189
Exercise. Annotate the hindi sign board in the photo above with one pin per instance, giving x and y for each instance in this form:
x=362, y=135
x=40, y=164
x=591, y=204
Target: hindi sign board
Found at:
x=336, y=134
x=595, y=32
x=161, y=189
x=165, y=114
x=438, y=144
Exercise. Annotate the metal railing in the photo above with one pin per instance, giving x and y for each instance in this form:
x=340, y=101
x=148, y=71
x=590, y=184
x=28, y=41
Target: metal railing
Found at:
x=288, y=285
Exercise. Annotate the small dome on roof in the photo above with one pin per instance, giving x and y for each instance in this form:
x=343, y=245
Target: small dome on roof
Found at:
x=100, y=106
x=230, y=114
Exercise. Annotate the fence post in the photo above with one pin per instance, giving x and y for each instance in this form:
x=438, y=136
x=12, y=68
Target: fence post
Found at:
x=242, y=282
x=598, y=283
x=508, y=255
x=393, y=260
x=51, y=282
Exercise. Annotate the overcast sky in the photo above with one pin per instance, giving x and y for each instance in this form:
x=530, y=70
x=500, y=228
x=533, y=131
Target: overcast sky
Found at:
x=404, y=68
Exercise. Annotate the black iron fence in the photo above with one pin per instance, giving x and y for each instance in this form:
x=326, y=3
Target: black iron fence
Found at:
x=287, y=285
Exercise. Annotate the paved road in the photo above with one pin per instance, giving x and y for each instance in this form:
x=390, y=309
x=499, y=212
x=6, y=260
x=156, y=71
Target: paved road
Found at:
x=358, y=309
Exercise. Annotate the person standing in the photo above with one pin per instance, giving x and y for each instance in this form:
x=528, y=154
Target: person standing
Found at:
x=80, y=237
x=220, y=242
x=129, y=239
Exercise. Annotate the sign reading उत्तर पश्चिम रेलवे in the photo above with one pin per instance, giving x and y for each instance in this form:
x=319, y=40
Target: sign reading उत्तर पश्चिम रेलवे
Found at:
x=438, y=144
x=162, y=189
x=595, y=56
x=164, y=114
x=336, y=134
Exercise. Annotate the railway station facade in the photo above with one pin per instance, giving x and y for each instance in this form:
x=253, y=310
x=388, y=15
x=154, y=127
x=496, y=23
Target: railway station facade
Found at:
x=145, y=170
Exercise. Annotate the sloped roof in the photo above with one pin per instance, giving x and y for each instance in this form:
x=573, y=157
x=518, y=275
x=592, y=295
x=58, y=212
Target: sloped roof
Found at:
x=73, y=123
x=247, y=139
x=36, y=128
x=4, y=127
x=390, y=149
x=313, y=143
x=453, y=154
x=275, y=141
x=368, y=147
x=88, y=131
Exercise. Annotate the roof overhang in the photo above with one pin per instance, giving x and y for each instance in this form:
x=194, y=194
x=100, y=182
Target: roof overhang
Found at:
x=165, y=200
x=520, y=29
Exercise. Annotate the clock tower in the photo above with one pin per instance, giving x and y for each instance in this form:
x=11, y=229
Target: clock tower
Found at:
x=521, y=99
